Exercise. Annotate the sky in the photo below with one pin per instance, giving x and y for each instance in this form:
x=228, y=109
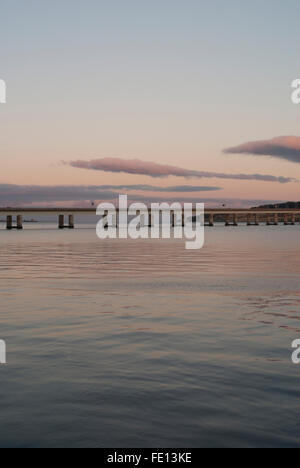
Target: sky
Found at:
x=200, y=87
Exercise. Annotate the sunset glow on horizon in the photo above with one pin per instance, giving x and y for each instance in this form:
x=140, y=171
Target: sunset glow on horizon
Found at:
x=159, y=84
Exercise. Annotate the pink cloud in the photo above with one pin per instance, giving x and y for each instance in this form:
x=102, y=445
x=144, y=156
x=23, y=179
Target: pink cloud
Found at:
x=136, y=166
x=284, y=147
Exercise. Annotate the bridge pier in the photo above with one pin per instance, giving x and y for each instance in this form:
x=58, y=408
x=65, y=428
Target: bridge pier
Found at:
x=234, y=221
x=211, y=221
x=71, y=221
x=19, y=222
x=275, y=220
x=289, y=220
x=249, y=220
x=9, y=223
x=61, y=222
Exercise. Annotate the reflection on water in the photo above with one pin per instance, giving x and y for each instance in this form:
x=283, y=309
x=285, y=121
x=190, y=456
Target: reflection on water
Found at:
x=143, y=343
x=281, y=310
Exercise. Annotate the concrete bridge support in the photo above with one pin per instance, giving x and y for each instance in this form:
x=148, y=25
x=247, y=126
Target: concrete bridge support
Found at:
x=9, y=222
x=19, y=222
x=71, y=221
x=289, y=220
x=211, y=220
x=231, y=221
x=272, y=220
x=207, y=221
x=61, y=222
x=249, y=220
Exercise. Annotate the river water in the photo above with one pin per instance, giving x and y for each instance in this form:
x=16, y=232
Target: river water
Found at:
x=145, y=344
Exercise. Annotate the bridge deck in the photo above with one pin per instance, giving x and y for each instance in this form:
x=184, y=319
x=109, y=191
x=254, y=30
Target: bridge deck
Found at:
x=230, y=216
x=14, y=211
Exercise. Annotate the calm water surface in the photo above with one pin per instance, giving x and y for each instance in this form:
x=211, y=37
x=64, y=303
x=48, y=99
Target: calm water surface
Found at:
x=142, y=343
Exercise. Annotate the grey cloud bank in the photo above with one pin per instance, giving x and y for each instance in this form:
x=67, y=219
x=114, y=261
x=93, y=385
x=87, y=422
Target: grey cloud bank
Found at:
x=152, y=188
x=284, y=147
x=32, y=194
x=25, y=195
x=136, y=166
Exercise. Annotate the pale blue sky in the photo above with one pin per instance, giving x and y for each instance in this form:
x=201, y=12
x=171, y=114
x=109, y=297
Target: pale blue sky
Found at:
x=166, y=81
